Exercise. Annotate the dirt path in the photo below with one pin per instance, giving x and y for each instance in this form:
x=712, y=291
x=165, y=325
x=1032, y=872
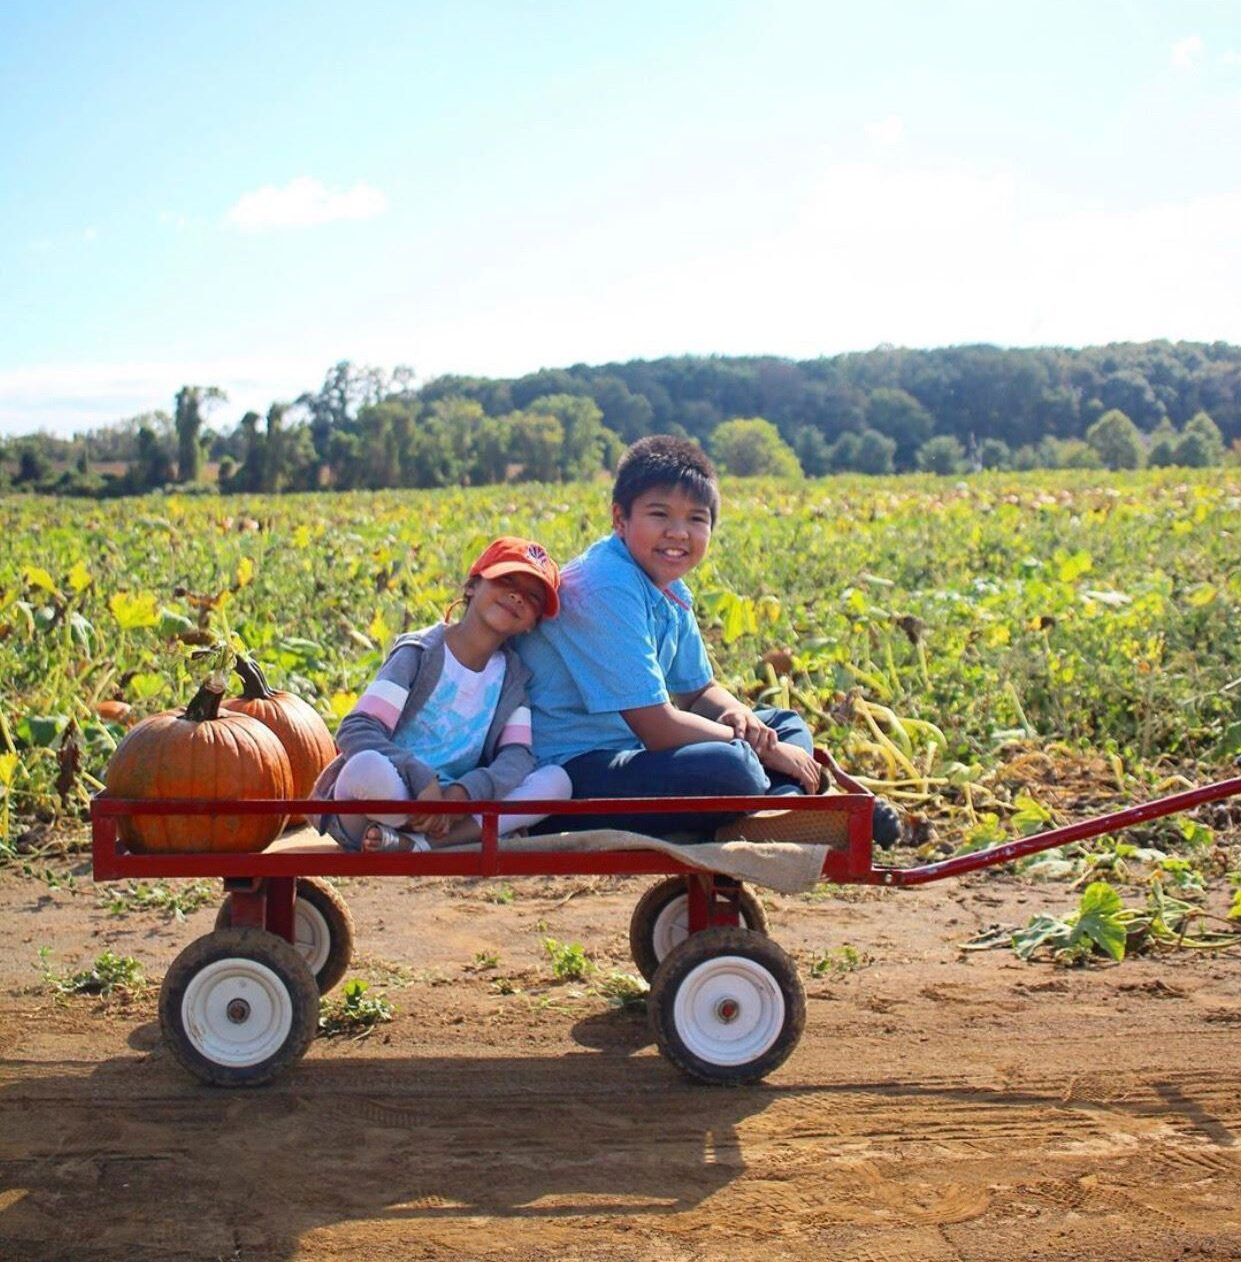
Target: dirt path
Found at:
x=940, y=1105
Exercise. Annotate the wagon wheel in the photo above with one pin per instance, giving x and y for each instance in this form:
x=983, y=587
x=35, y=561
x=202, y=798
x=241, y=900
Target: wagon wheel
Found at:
x=322, y=929
x=238, y=1006
x=660, y=922
x=727, y=1006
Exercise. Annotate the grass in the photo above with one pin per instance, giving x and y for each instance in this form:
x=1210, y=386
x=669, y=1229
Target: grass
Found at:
x=626, y=991
x=353, y=1012
x=172, y=900
x=110, y=975
x=569, y=960
x=836, y=962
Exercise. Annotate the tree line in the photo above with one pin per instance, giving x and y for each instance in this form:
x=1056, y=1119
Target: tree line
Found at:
x=945, y=410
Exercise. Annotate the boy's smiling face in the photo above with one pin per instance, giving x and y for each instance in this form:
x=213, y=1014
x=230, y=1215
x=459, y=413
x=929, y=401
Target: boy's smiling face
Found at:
x=667, y=532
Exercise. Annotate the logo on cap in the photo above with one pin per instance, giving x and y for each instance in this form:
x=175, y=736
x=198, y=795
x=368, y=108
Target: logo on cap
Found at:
x=538, y=555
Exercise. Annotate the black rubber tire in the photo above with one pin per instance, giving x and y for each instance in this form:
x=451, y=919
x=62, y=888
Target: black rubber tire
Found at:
x=338, y=920
x=653, y=903
x=295, y=988
x=885, y=824
x=767, y=963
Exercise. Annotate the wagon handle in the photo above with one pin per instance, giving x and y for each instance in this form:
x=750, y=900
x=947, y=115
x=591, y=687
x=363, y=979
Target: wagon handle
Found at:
x=839, y=774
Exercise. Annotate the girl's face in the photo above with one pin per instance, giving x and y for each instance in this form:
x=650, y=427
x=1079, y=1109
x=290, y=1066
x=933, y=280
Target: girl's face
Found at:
x=509, y=605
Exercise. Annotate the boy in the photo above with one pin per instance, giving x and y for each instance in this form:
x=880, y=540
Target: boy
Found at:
x=622, y=692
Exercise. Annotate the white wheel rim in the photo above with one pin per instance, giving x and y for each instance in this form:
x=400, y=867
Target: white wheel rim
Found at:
x=312, y=935
x=671, y=926
x=728, y=1010
x=236, y=1012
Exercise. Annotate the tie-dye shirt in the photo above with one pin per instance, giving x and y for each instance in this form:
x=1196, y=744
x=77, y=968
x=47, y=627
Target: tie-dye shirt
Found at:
x=449, y=731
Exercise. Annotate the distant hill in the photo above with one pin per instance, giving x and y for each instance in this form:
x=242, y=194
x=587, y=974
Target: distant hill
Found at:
x=890, y=409
x=971, y=392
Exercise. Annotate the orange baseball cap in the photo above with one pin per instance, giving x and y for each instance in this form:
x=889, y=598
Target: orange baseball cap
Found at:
x=511, y=555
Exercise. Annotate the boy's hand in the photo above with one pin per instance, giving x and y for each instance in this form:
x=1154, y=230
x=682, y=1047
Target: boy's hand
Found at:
x=795, y=762
x=750, y=728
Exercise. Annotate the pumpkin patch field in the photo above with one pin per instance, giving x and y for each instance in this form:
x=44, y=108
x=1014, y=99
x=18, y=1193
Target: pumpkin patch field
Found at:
x=1037, y=1061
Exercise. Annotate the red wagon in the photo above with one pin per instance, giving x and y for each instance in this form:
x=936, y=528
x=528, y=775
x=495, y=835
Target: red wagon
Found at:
x=726, y=1002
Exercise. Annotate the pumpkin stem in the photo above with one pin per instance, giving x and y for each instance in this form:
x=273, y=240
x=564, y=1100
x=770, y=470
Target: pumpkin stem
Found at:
x=205, y=704
x=254, y=683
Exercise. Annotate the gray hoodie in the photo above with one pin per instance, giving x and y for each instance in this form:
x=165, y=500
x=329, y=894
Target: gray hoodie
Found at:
x=414, y=665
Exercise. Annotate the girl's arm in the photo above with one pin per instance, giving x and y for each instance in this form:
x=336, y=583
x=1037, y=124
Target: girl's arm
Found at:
x=511, y=765
x=513, y=760
x=375, y=715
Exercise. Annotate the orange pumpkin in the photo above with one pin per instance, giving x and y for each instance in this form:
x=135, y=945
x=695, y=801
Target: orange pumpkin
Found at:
x=198, y=752
x=302, y=732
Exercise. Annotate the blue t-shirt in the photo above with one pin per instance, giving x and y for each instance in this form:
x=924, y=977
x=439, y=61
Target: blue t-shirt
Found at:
x=618, y=643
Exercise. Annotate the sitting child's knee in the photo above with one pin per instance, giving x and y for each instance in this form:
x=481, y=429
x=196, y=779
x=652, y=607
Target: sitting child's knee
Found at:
x=739, y=772
x=368, y=774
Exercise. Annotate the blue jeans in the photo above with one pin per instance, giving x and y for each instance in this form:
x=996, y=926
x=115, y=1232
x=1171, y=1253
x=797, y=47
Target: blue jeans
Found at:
x=706, y=769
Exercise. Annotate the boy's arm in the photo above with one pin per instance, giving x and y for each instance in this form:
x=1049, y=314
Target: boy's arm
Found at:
x=716, y=703
x=664, y=726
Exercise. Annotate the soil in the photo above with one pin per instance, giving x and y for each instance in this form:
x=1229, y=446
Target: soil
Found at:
x=941, y=1104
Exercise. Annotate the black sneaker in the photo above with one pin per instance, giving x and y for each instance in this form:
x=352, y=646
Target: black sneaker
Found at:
x=885, y=824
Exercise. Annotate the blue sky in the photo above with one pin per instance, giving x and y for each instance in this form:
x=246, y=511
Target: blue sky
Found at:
x=240, y=194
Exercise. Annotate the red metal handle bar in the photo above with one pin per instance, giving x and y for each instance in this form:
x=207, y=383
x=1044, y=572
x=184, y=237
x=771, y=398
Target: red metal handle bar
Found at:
x=961, y=864
x=842, y=777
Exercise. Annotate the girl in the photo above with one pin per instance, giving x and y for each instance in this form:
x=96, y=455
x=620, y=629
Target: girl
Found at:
x=446, y=718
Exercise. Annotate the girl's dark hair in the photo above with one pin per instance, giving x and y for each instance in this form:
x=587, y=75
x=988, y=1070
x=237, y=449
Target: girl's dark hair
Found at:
x=659, y=460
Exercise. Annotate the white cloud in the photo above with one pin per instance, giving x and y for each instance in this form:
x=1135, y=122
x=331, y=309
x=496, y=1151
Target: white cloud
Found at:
x=89, y=234
x=304, y=202
x=928, y=258
x=1231, y=58
x=890, y=131
x=62, y=398
x=874, y=253
x=1185, y=52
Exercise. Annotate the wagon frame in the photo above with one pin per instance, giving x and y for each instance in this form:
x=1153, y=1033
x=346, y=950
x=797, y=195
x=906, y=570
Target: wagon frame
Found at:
x=727, y=1005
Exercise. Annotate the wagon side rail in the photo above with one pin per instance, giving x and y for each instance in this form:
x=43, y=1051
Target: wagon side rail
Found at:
x=959, y=865
x=112, y=861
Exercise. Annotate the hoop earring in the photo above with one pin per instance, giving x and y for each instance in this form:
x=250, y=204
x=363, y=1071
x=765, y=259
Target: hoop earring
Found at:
x=461, y=600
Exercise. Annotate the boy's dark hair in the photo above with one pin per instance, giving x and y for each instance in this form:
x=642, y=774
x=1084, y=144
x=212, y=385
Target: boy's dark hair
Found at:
x=660, y=460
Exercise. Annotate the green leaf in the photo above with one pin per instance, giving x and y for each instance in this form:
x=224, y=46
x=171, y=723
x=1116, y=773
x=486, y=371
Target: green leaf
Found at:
x=739, y=619
x=37, y=576
x=41, y=729
x=10, y=762
x=145, y=685
x=1075, y=566
x=134, y=609
x=295, y=653
x=1197, y=835
x=1098, y=920
x=1043, y=930
x=1031, y=816
x=79, y=578
x=82, y=631
x=172, y=623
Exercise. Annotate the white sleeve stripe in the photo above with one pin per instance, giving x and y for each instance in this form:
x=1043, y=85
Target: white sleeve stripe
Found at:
x=387, y=691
